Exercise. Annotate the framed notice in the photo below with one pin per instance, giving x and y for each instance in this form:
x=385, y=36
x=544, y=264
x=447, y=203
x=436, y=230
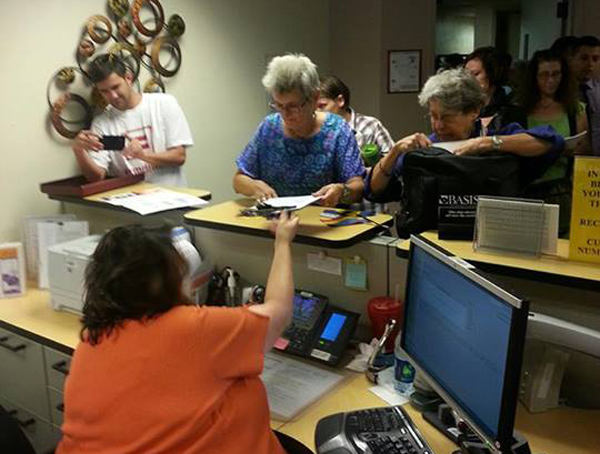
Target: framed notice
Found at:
x=404, y=71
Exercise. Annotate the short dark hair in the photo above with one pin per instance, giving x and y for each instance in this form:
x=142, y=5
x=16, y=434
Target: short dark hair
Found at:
x=135, y=273
x=104, y=65
x=495, y=63
x=564, y=46
x=585, y=41
x=529, y=92
x=332, y=87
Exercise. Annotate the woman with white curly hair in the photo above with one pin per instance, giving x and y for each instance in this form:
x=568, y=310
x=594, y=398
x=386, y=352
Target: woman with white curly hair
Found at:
x=454, y=100
x=297, y=150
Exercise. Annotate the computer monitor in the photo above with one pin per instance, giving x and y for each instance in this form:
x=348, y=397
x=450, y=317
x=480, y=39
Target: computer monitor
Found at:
x=465, y=335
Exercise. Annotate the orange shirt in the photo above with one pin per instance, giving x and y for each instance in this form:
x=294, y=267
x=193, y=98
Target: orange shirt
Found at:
x=186, y=382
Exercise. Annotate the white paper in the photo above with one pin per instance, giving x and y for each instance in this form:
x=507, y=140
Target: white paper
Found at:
x=550, y=232
x=450, y=146
x=292, y=203
x=154, y=200
x=50, y=233
x=572, y=142
x=511, y=224
x=31, y=241
x=385, y=388
x=324, y=264
x=293, y=385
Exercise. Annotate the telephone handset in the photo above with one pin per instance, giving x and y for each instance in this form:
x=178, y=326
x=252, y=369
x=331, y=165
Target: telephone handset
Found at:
x=318, y=330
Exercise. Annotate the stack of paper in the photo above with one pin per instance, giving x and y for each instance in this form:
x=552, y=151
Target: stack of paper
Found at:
x=293, y=385
x=154, y=200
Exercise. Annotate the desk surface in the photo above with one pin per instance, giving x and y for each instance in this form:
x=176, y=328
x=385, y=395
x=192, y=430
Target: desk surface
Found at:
x=225, y=216
x=32, y=316
x=560, y=431
x=554, y=269
x=96, y=199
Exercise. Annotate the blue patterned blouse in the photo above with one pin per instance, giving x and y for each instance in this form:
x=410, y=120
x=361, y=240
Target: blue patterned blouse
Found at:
x=301, y=166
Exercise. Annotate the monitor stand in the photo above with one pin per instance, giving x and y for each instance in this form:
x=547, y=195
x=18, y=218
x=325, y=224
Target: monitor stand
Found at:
x=468, y=442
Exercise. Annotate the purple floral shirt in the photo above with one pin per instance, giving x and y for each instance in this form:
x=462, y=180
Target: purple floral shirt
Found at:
x=301, y=166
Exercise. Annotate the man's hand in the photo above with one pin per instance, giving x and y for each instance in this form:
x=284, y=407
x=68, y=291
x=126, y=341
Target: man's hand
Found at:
x=331, y=194
x=134, y=150
x=412, y=142
x=262, y=191
x=285, y=227
x=478, y=145
x=86, y=140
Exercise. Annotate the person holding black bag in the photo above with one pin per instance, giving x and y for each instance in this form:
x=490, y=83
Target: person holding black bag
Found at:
x=454, y=99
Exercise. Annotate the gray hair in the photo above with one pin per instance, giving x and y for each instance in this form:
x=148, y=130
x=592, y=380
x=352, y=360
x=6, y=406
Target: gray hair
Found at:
x=291, y=71
x=455, y=89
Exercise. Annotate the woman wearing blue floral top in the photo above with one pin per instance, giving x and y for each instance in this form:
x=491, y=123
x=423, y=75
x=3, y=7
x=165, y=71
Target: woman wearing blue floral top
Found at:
x=298, y=151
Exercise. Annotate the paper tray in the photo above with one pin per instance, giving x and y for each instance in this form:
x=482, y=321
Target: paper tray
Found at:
x=79, y=187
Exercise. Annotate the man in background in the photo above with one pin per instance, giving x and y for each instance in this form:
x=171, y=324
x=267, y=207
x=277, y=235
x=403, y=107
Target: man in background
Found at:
x=154, y=126
x=368, y=131
x=584, y=63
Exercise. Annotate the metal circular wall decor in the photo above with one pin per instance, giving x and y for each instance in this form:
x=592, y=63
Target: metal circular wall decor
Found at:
x=137, y=32
x=157, y=11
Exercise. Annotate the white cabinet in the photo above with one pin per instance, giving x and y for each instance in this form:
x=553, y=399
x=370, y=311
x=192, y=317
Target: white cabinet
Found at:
x=22, y=377
x=32, y=379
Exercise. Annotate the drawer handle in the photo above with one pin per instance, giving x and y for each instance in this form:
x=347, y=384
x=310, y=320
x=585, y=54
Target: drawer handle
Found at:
x=62, y=367
x=13, y=348
x=60, y=407
x=25, y=423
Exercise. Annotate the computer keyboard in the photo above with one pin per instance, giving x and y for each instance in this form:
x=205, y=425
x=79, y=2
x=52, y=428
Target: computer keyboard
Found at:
x=383, y=430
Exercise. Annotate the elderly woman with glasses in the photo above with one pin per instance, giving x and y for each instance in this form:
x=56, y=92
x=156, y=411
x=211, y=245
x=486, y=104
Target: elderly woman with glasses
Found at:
x=296, y=150
x=454, y=99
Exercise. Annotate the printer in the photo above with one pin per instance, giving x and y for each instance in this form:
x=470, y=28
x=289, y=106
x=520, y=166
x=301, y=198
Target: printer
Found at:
x=67, y=262
x=66, y=272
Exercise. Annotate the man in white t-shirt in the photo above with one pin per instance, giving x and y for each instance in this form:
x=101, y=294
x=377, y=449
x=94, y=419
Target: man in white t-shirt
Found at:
x=156, y=131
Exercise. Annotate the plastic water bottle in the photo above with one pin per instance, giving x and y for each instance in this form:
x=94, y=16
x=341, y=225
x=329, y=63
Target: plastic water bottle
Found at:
x=404, y=372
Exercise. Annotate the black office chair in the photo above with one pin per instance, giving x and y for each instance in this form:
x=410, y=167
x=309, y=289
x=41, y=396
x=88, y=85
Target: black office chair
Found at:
x=12, y=438
x=291, y=445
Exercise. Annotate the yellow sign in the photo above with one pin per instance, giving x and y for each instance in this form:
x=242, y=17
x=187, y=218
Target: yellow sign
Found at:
x=585, y=215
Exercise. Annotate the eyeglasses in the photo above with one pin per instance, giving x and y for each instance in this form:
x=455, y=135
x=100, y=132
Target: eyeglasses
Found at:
x=289, y=108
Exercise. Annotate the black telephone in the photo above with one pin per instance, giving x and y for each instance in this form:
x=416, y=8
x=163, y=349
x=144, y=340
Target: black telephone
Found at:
x=318, y=330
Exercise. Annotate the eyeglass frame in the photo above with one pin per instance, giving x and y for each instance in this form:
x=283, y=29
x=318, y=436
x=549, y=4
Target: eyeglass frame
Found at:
x=292, y=109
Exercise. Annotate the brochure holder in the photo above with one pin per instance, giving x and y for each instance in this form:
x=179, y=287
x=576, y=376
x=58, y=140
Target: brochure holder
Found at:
x=509, y=225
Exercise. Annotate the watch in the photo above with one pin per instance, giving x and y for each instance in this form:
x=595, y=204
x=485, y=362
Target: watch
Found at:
x=345, y=193
x=496, y=143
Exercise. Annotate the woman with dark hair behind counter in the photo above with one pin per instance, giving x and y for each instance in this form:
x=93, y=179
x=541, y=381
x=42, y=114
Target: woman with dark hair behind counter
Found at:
x=154, y=374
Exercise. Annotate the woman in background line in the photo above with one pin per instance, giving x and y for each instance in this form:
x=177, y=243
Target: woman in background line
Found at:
x=297, y=151
x=549, y=98
x=490, y=67
x=156, y=375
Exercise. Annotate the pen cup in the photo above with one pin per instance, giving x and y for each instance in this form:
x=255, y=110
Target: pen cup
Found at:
x=380, y=310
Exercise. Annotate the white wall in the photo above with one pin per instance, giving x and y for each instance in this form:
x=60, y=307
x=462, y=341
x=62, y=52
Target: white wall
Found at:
x=406, y=25
x=224, y=50
x=538, y=19
x=584, y=17
x=454, y=31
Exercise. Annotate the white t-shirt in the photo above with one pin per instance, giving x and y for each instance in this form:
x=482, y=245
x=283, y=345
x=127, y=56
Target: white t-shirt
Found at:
x=158, y=123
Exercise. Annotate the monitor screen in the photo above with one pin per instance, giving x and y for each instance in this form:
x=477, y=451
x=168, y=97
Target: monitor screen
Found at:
x=465, y=335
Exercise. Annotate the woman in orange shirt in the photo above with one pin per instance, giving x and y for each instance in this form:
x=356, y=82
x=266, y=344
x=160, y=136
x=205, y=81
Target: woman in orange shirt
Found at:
x=154, y=374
